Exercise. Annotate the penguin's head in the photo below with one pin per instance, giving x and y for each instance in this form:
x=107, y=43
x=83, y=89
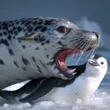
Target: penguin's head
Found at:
x=97, y=65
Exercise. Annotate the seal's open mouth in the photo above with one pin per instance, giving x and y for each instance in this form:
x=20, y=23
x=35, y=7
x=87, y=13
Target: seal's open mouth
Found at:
x=61, y=61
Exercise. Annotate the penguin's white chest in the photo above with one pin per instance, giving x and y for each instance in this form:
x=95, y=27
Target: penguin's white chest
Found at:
x=81, y=88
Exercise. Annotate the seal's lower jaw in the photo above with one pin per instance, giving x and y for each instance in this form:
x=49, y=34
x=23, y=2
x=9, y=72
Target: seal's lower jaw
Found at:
x=61, y=62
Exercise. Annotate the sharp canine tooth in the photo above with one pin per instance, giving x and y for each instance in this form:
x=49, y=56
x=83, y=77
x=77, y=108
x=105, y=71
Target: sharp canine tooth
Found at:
x=74, y=73
x=71, y=71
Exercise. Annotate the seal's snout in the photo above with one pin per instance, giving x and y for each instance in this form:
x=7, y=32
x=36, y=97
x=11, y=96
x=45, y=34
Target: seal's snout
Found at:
x=90, y=36
x=86, y=40
x=93, y=38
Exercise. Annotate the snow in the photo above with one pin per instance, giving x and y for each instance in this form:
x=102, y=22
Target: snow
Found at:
x=99, y=101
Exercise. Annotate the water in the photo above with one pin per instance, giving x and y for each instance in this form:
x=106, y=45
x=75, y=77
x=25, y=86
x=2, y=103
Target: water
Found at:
x=99, y=101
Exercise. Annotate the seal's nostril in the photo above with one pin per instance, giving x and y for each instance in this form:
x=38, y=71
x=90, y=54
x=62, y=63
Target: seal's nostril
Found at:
x=96, y=35
x=93, y=37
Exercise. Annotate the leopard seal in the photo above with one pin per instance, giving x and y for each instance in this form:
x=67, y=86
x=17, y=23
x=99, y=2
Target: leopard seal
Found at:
x=32, y=48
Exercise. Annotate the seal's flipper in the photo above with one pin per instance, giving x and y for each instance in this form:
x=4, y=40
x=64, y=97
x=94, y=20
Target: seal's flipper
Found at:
x=44, y=88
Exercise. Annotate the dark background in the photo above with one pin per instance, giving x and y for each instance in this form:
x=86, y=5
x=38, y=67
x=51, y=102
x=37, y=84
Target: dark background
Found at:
x=74, y=10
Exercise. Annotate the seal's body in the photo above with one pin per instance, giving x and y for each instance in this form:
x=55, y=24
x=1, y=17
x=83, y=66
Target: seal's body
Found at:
x=33, y=48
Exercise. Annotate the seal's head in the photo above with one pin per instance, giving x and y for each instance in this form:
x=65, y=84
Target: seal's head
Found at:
x=97, y=65
x=73, y=40
x=55, y=40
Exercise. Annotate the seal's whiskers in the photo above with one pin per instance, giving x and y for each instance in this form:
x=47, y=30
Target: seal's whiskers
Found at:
x=90, y=53
x=78, y=45
x=79, y=57
x=82, y=52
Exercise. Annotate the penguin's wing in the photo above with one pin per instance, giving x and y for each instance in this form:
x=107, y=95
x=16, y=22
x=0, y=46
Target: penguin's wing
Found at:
x=44, y=88
x=25, y=90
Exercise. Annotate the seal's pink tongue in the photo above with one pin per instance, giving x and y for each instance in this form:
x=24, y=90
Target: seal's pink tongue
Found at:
x=62, y=56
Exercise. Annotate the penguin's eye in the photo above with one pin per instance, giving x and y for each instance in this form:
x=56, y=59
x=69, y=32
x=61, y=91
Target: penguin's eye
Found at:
x=101, y=63
x=62, y=29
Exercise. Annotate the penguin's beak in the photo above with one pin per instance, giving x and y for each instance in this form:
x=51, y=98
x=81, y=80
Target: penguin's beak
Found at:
x=93, y=62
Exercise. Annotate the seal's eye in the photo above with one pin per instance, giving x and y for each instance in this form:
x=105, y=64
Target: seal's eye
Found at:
x=62, y=29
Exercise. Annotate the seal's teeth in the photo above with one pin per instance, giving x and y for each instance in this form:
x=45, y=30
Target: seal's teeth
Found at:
x=74, y=73
x=71, y=71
